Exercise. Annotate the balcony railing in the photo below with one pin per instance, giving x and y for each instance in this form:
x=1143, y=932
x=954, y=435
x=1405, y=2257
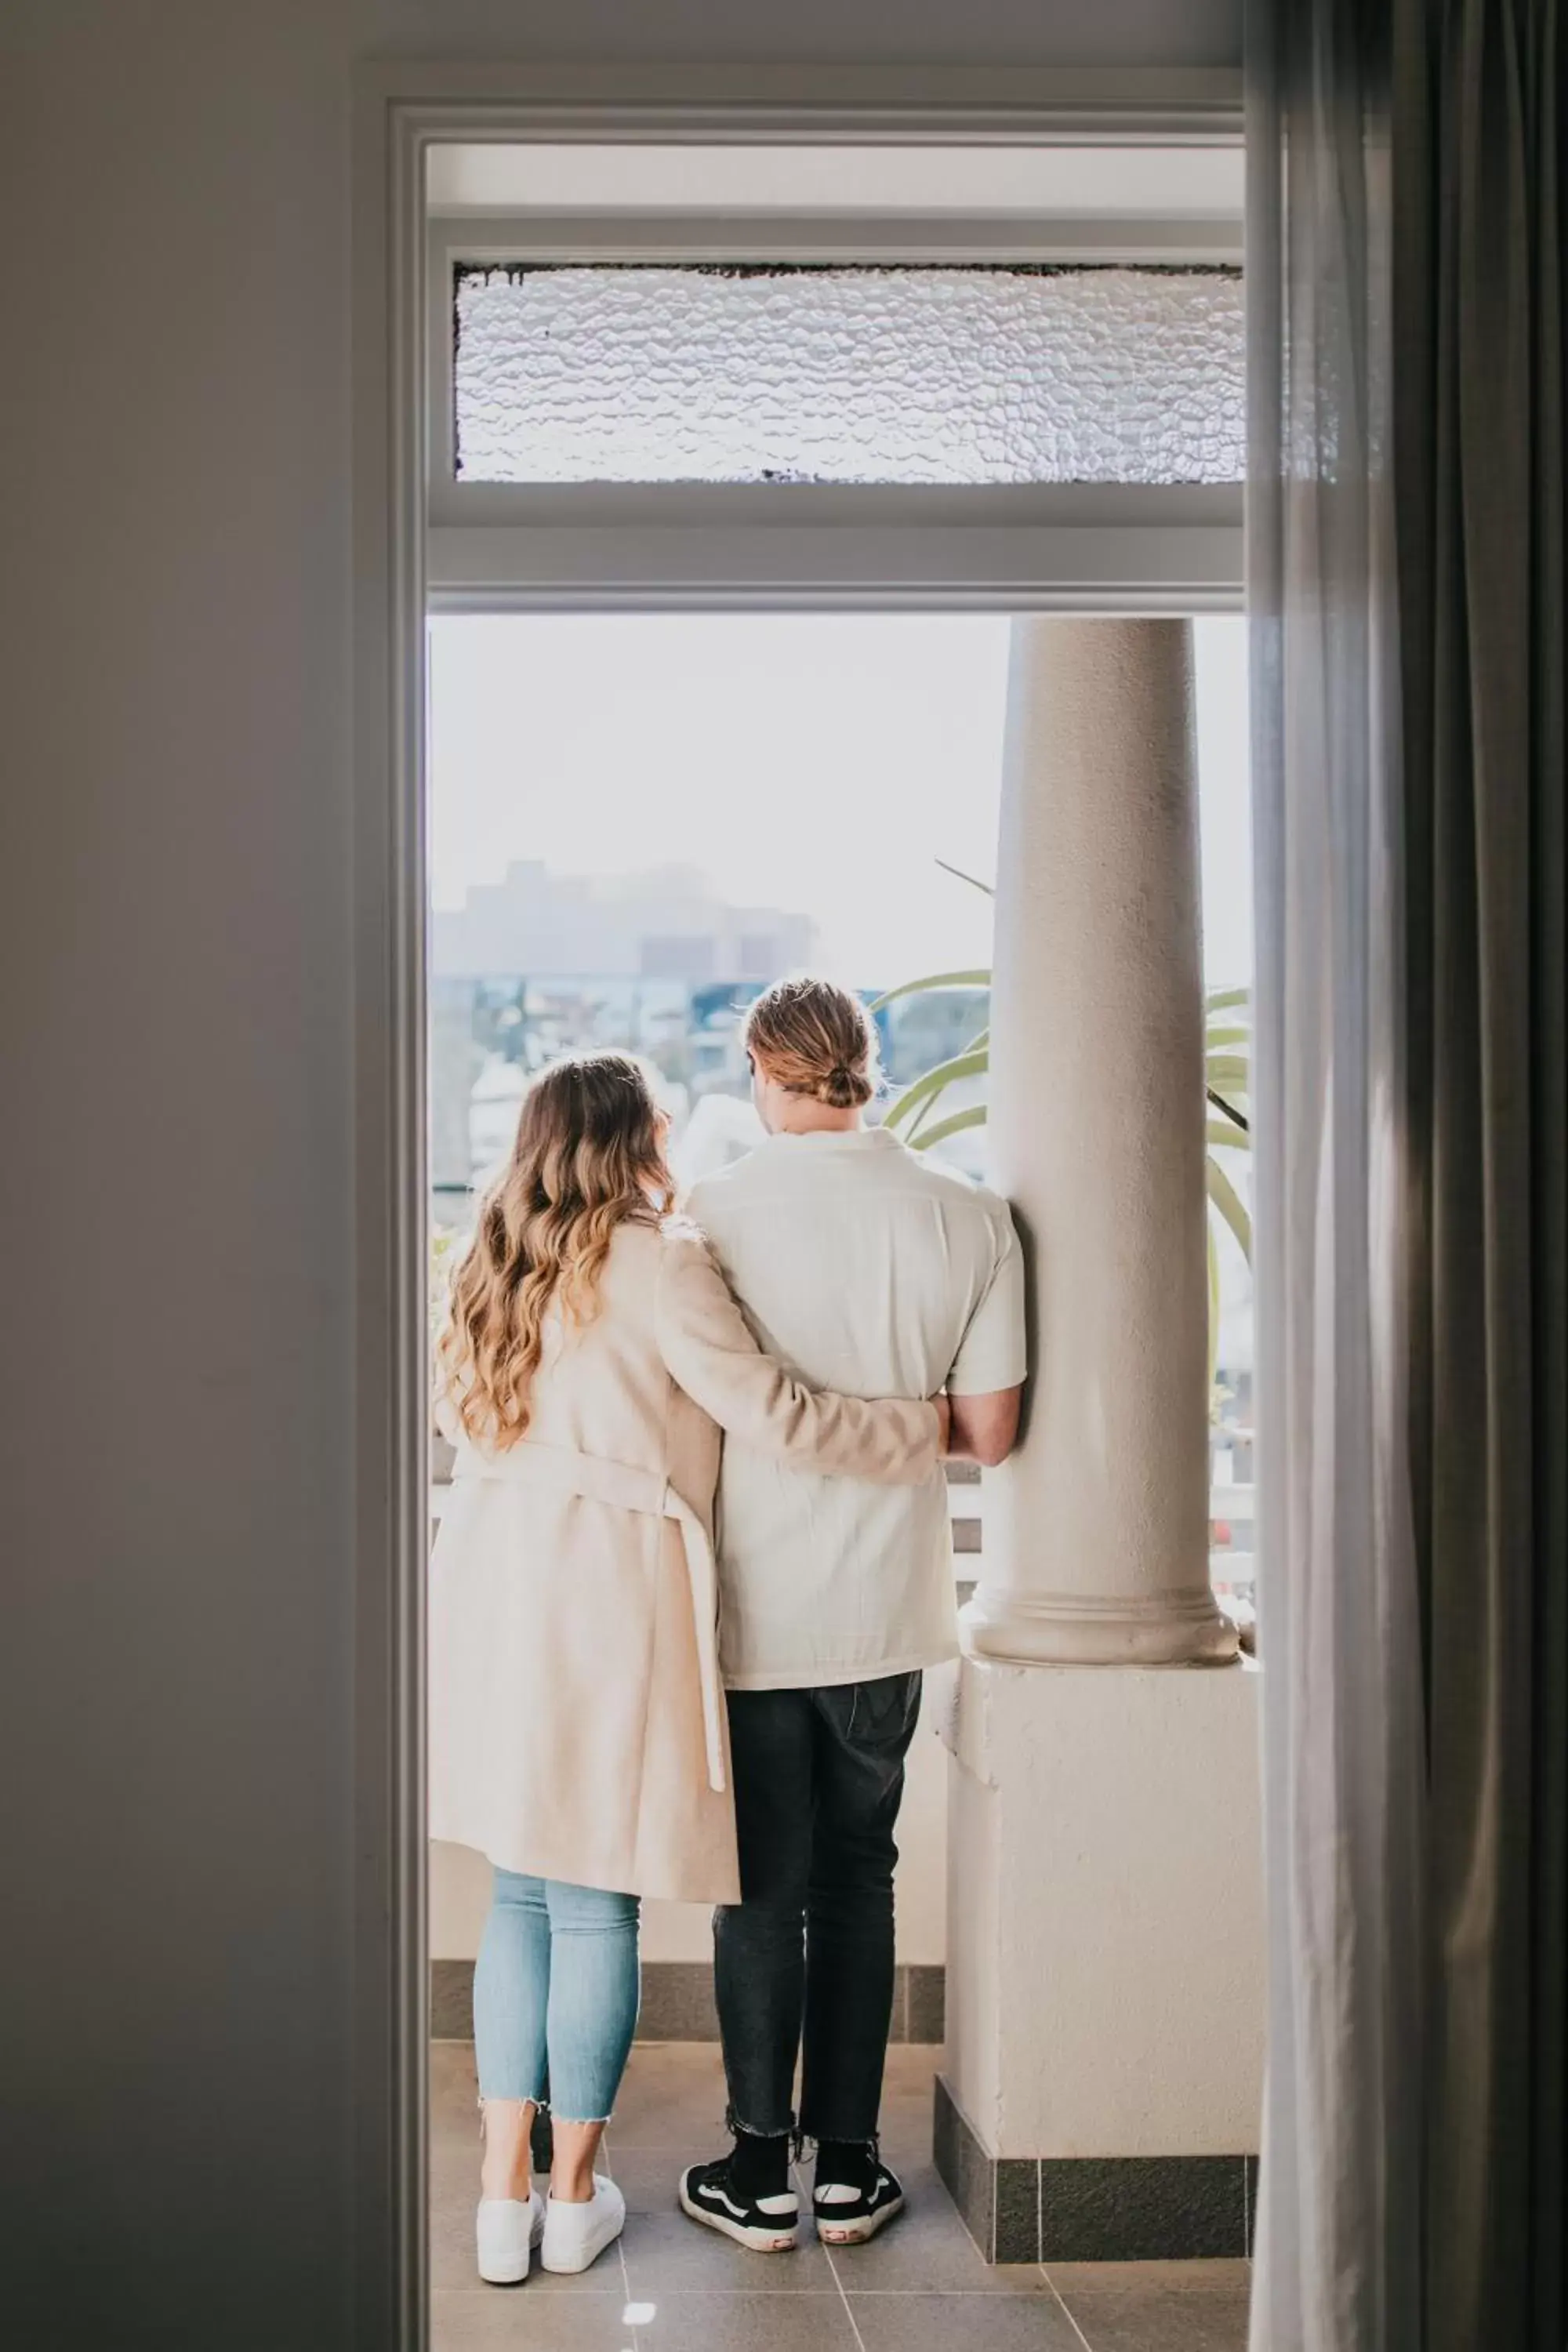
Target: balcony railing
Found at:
x=1231, y=1515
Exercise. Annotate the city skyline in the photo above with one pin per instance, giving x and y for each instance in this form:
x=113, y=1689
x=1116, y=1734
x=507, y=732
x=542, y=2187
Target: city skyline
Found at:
x=666, y=923
x=815, y=764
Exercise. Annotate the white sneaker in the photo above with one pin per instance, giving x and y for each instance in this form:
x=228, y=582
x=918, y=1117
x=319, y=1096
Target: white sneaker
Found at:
x=506, y=2232
x=576, y=2235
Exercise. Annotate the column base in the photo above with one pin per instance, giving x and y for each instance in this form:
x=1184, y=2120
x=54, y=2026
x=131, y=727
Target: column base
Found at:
x=1067, y=1629
x=1106, y=1959
x=1093, y=2208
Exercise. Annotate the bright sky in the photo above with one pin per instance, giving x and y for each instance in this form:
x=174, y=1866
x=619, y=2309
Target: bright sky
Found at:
x=821, y=763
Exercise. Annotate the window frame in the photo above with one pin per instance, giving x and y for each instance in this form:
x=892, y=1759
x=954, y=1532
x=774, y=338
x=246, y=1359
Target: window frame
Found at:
x=1085, y=555
x=500, y=546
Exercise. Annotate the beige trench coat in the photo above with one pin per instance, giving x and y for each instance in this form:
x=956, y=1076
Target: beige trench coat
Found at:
x=578, y=1727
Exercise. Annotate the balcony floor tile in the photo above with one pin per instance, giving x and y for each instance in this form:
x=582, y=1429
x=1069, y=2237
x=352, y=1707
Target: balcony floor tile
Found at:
x=671, y=2287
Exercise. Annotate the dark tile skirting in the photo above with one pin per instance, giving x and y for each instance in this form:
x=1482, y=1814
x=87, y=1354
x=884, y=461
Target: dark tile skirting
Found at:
x=677, y=2001
x=1093, y=2209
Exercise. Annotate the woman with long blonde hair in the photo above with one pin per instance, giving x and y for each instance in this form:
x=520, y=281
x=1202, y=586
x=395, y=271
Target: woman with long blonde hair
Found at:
x=590, y=1358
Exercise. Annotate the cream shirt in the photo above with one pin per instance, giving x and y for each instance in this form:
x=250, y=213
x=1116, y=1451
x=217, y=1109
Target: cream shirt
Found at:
x=867, y=1267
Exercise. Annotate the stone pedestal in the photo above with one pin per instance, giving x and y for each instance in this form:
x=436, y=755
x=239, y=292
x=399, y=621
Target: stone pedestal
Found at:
x=1103, y=2083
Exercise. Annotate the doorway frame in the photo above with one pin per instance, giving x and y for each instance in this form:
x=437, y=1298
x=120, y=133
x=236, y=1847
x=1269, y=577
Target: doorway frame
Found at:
x=400, y=111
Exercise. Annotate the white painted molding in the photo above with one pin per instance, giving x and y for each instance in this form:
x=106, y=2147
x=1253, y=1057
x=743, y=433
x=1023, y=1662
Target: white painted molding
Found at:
x=390, y=2154
x=1070, y=547
x=1154, y=105
x=584, y=546
x=957, y=239
x=1017, y=181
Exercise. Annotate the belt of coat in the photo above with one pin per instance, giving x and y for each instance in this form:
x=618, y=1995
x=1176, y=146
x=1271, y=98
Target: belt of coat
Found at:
x=562, y=1470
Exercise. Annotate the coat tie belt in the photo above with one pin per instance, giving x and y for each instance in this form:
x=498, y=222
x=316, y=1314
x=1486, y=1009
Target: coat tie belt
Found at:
x=593, y=1478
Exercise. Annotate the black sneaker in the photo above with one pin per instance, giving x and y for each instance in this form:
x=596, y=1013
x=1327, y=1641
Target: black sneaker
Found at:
x=768, y=2225
x=859, y=2197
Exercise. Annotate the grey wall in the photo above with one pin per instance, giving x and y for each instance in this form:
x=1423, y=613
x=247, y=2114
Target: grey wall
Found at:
x=174, y=929
x=828, y=32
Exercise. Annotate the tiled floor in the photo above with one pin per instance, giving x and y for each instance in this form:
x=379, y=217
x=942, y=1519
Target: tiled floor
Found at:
x=672, y=2287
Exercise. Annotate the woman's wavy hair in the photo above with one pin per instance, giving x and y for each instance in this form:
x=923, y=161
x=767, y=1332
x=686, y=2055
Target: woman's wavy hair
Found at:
x=589, y=1157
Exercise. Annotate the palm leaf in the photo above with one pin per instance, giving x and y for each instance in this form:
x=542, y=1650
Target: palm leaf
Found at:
x=1220, y=1000
x=982, y=1039
x=955, y=1125
x=968, y=1065
x=1225, y=1137
x=959, y=876
x=1237, y=1119
x=933, y=980
x=1227, y=1200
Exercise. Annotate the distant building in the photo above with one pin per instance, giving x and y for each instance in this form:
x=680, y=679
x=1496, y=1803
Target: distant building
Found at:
x=540, y=964
x=455, y=1061
x=917, y=1032
x=664, y=925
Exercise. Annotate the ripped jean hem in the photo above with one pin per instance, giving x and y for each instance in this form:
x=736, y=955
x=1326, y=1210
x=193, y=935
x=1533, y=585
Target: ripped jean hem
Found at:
x=539, y=2101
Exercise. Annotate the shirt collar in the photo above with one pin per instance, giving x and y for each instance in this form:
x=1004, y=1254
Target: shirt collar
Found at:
x=828, y=1138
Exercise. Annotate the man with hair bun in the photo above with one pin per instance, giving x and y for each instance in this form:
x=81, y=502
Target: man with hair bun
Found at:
x=871, y=1268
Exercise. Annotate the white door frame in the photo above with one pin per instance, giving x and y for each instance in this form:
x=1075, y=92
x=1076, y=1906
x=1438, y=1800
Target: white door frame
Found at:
x=401, y=112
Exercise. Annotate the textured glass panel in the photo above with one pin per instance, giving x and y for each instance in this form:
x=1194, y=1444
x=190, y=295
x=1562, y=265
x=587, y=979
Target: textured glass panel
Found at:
x=627, y=374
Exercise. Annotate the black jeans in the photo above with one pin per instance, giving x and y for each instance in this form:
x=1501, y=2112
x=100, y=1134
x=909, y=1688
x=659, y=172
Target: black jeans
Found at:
x=807, y=1953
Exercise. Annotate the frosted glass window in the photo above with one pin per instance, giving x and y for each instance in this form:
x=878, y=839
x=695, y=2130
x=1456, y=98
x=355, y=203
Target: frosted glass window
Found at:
x=913, y=375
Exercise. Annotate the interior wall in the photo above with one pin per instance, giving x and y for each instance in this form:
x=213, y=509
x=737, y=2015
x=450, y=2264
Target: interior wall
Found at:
x=816, y=32
x=175, y=923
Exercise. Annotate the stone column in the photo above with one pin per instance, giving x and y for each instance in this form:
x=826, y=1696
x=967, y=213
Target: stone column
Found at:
x=1105, y=1957
x=1096, y=1531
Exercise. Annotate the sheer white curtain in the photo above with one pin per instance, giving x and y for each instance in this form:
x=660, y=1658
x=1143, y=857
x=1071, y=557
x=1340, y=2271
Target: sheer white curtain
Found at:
x=1338, y=2254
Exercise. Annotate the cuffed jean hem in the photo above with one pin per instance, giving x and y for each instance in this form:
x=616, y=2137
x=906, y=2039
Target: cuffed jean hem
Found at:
x=738, y=2130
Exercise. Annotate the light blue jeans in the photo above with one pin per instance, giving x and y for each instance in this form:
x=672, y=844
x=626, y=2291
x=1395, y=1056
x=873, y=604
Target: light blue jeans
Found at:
x=555, y=1995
